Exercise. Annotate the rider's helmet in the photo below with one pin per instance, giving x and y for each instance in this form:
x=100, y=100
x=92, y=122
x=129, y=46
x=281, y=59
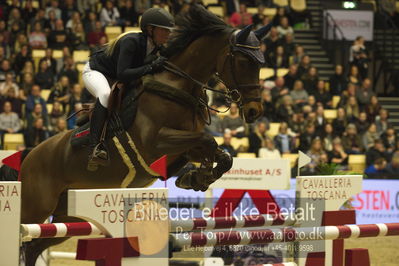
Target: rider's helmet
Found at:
x=157, y=17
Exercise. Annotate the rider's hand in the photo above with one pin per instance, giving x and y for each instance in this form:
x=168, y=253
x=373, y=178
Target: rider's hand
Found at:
x=157, y=64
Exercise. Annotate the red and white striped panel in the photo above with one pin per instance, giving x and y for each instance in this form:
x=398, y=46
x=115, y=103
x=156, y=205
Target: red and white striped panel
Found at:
x=247, y=237
x=230, y=222
x=58, y=230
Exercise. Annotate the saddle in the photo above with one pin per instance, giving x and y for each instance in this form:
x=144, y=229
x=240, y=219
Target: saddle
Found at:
x=122, y=109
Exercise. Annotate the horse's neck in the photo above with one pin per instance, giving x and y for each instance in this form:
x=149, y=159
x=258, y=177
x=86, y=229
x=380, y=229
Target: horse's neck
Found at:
x=199, y=59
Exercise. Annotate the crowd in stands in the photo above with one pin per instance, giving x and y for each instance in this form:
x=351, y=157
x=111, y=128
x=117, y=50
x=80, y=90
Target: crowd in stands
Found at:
x=296, y=100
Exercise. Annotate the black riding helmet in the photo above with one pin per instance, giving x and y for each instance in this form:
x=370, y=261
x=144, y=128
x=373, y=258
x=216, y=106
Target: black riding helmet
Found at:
x=157, y=17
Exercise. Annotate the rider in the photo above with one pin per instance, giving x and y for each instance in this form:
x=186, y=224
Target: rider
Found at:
x=123, y=59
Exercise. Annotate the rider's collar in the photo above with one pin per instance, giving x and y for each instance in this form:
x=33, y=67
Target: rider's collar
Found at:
x=251, y=47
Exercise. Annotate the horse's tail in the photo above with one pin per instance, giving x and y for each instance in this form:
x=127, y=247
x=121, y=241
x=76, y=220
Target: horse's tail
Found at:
x=10, y=174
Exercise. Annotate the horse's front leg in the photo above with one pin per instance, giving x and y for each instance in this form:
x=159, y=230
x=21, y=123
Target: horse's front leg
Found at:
x=198, y=147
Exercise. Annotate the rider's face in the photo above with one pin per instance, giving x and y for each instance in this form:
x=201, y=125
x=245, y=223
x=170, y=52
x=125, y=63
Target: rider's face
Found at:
x=161, y=35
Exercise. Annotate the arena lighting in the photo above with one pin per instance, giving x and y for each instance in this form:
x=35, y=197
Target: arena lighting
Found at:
x=349, y=5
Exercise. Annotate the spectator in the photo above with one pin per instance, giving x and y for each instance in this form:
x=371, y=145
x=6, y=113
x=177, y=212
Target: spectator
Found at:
x=370, y=136
x=9, y=121
x=89, y=22
x=291, y=76
x=51, y=22
x=54, y=8
x=279, y=90
x=271, y=41
x=258, y=18
x=26, y=85
x=320, y=120
x=109, y=15
x=128, y=14
x=299, y=95
x=71, y=124
x=15, y=101
x=234, y=123
x=306, y=138
x=20, y=41
x=69, y=70
x=315, y=152
x=279, y=59
x=60, y=126
x=15, y=18
x=322, y=95
x=283, y=141
x=310, y=80
x=68, y=9
x=37, y=134
x=362, y=124
x=58, y=37
x=338, y=81
x=268, y=150
x=338, y=154
x=37, y=37
x=312, y=103
x=268, y=105
x=73, y=22
x=284, y=28
x=364, y=94
x=288, y=44
x=226, y=146
x=36, y=113
x=381, y=121
x=352, y=109
x=328, y=137
x=29, y=12
x=299, y=54
x=257, y=137
x=4, y=69
x=349, y=92
x=392, y=169
x=304, y=65
x=281, y=12
x=215, y=128
x=51, y=62
x=44, y=77
x=35, y=98
x=351, y=141
x=297, y=123
x=285, y=109
x=389, y=139
x=5, y=32
x=354, y=76
x=359, y=56
x=78, y=38
x=76, y=96
x=93, y=38
x=55, y=114
x=22, y=57
x=377, y=169
x=373, y=109
x=60, y=91
x=7, y=85
x=40, y=18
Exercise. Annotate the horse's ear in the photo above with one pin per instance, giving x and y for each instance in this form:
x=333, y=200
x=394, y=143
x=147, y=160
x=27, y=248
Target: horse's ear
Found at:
x=260, y=33
x=243, y=34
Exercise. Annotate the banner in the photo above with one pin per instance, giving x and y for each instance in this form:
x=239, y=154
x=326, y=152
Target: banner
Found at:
x=353, y=23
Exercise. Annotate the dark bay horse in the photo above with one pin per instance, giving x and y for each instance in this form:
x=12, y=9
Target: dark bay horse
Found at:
x=201, y=46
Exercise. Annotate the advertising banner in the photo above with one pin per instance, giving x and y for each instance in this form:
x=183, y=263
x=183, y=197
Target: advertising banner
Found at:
x=353, y=23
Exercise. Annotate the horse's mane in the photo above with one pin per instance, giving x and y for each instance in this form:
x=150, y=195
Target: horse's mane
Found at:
x=191, y=25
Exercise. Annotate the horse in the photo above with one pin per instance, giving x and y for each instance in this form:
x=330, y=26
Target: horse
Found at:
x=201, y=46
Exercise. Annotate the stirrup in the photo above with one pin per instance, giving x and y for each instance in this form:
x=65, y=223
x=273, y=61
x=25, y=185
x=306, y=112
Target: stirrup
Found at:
x=99, y=156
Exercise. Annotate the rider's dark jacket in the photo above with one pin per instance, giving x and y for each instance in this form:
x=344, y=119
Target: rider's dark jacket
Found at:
x=126, y=63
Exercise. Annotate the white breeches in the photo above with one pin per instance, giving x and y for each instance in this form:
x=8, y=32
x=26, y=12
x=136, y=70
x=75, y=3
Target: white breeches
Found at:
x=97, y=84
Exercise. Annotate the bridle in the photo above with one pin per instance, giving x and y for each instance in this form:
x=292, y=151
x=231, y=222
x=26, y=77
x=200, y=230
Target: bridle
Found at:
x=232, y=95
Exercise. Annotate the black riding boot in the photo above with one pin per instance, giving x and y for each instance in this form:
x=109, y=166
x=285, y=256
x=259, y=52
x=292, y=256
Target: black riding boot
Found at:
x=99, y=154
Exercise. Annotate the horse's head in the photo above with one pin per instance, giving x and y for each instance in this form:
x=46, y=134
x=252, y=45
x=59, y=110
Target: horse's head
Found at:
x=239, y=65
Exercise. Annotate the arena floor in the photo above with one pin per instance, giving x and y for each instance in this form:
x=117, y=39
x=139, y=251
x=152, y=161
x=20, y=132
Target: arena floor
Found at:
x=383, y=251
